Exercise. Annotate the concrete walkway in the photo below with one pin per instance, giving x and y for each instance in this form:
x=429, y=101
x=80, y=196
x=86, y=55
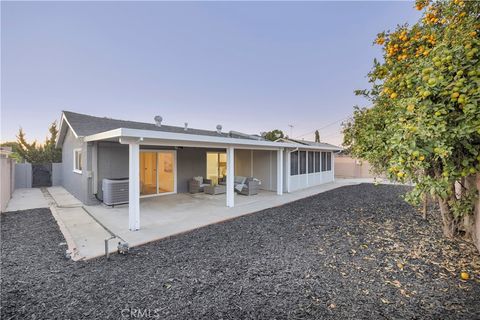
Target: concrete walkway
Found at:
x=84, y=235
x=24, y=199
x=63, y=198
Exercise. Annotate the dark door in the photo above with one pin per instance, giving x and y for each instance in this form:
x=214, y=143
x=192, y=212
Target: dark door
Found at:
x=41, y=175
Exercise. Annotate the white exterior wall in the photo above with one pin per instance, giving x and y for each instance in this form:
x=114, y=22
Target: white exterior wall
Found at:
x=265, y=169
x=302, y=181
x=243, y=162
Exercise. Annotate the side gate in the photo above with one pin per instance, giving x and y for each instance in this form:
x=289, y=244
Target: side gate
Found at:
x=41, y=175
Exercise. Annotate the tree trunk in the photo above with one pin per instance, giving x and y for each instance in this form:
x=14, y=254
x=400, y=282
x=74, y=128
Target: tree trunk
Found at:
x=448, y=225
x=476, y=217
x=468, y=220
x=425, y=206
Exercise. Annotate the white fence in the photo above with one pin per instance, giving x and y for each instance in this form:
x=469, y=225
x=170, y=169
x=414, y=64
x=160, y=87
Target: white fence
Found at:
x=23, y=175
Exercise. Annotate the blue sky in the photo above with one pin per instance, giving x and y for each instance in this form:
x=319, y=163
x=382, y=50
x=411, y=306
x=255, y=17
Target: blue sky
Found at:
x=250, y=66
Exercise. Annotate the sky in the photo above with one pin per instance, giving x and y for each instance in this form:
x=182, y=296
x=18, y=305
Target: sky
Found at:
x=249, y=66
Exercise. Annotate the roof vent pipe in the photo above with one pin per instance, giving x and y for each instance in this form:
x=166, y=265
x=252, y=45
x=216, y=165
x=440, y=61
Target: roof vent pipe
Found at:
x=219, y=128
x=186, y=126
x=158, y=121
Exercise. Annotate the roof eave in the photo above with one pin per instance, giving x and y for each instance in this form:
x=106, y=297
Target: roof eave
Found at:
x=62, y=131
x=140, y=135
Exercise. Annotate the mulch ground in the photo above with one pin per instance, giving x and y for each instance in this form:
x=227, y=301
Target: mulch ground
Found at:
x=355, y=252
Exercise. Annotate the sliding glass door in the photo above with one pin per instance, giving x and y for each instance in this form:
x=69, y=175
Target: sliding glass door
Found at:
x=148, y=173
x=157, y=172
x=216, y=166
x=166, y=174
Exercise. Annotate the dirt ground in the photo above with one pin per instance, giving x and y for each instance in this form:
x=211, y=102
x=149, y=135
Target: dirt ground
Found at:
x=356, y=252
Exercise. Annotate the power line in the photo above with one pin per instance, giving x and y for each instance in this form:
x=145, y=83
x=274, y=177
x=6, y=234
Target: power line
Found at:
x=326, y=126
x=333, y=134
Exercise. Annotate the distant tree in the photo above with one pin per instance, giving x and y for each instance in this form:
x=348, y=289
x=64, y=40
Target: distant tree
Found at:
x=36, y=153
x=52, y=154
x=273, y=135
x=317, y=136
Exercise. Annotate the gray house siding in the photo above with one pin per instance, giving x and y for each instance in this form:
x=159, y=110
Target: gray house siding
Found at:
x=72, y=181
x=243, y=159
x=191, y=162
x=112, y=163
x=265, y=168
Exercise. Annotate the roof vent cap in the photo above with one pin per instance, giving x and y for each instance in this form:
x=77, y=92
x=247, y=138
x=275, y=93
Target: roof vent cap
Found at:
x=158, y=121
x=219, y=128
x=186, y=126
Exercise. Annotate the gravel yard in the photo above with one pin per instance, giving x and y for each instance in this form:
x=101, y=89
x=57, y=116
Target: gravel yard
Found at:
x=354, y=252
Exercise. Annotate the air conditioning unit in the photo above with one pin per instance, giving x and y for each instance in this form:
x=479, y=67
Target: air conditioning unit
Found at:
x=115, y=191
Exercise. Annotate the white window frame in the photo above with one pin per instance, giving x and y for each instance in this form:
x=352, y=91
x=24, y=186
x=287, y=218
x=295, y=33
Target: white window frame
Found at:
x=75, y=160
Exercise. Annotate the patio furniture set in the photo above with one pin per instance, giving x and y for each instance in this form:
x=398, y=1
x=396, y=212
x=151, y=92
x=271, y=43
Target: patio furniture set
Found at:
x=246, y=186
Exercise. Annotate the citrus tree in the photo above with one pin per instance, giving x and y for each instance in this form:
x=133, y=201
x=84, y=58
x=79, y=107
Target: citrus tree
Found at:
x=424, y=122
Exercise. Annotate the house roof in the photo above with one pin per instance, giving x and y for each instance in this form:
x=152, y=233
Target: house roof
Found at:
x=93, y=128
x=311, y=143
x=85, y=125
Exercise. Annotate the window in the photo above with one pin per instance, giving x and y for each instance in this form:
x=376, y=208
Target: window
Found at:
x=317, y=161
x=324, y=161
x=303, y=162
x=294, y=163
x=311, y=164
x=329, y=161
x=77, y=160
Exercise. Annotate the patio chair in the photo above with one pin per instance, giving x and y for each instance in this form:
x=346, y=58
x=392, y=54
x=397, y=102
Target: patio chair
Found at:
x=197, y=184
x=249, y=188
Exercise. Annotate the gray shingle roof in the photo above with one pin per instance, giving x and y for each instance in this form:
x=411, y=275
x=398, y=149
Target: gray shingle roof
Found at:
x=85, y=125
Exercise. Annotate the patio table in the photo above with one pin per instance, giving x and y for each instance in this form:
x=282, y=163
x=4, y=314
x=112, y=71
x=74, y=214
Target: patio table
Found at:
x=217, y=189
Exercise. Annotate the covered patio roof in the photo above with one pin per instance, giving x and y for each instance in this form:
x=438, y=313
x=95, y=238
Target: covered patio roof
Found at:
x=127, y=135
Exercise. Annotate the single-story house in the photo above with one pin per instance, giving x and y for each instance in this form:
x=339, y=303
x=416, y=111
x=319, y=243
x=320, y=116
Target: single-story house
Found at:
x=159, y=159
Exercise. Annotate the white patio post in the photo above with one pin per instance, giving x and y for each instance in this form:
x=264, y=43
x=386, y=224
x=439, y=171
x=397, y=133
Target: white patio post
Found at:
x=289, y=158
x=280, y=172
x=333, y=166
x=134, y=186
x=230, y=176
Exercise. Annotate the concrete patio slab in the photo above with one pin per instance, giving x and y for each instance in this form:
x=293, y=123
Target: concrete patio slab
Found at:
x=164, y=216
x=85, y=228
x=28, y=198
